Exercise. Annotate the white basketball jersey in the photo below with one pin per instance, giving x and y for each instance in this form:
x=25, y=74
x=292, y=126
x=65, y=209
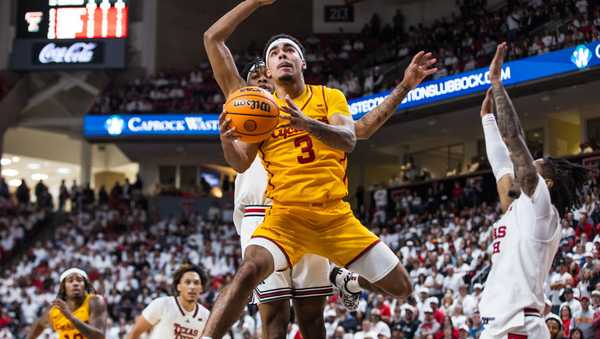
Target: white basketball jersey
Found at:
x=520, y=262
x=250, y=188
x=170, y=320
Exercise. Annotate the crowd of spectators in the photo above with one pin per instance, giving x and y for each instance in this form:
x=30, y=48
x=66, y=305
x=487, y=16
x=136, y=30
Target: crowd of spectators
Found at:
x=355, y=63
x=441, y=233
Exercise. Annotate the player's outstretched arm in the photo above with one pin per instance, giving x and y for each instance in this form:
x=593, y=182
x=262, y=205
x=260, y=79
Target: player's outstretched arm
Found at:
x=419, y=68
x=340, y=133
x=219, y=56
x=97, y=324
x=497, y=152
x=140, y=327
x=238, y=154
x=39, y=325
x=510, y=127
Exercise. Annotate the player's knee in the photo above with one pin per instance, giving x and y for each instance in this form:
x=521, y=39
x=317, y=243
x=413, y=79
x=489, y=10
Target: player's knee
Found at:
x=398, y=284
x=252, y=271
x=275, y=324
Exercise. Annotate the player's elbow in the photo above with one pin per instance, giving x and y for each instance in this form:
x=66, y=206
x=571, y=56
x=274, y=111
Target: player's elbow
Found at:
x=362, y=133
x=209, y=36
x=349, y=142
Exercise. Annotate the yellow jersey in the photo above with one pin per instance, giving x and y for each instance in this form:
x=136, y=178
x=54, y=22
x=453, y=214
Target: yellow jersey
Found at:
x=301, y=168
x=63, y=326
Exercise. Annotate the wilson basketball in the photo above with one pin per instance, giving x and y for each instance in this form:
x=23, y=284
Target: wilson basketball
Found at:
x=253, y=112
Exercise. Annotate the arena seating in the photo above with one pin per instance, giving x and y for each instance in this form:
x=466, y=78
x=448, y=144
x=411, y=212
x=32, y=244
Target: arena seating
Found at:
x=439, y=229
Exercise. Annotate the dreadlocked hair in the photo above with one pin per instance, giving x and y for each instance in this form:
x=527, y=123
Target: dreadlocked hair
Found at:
x=62, y=290
x=569, y=180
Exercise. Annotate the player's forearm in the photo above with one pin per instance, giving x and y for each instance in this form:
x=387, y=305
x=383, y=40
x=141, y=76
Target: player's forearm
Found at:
x=36, y=331
x=221, y=30
x=235, y=157
x=86, y=330
x=372, y=121
x=512, y=133
x=340, y=137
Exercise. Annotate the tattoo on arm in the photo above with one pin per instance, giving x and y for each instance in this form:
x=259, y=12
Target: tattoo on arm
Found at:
x=336, y=136
x=95, y=329
x=373, y=120
x=512, y=133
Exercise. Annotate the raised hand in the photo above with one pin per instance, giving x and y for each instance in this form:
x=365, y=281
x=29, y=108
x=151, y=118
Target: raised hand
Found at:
x=296, y=117
x=420, y=67
x=488, y=103
x=497, y=62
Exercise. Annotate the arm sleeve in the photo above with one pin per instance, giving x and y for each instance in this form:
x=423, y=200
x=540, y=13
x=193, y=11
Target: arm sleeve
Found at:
x=152, y=312
x=336, y=102
x=497, y=152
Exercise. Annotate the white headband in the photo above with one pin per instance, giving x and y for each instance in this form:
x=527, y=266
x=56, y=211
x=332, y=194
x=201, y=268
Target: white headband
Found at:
x=73, y=270
x=285, y=41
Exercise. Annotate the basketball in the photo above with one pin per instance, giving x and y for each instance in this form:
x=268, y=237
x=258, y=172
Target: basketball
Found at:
x=253, y=113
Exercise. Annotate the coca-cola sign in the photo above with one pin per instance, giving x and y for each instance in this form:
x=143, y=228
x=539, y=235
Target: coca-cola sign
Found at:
x=30, y=54
x=78, y=52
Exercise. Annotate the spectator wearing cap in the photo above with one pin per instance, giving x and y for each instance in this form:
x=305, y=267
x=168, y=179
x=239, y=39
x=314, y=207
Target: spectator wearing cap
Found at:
x=477, y=289
x=422, y=296
x=381, y=328
x=331, y=323
x=429, y=326
x=555, y=326
x=566, y=316
x=438, y=313
x=409, y=323
x=595, y=300
x=574, y=304
x=584, y=319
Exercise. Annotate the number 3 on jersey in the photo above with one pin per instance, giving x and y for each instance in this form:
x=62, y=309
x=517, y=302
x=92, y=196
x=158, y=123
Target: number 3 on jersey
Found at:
x=306, y=147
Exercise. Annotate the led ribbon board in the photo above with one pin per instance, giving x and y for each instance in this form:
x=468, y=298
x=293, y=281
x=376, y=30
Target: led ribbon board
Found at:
x=150, y=125
x=568, y=60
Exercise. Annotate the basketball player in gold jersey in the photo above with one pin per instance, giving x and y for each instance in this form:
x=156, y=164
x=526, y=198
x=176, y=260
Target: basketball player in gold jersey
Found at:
x=306, y=158
x=77, y=313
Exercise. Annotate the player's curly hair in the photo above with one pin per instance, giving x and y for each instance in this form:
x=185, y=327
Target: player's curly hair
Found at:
x=256, y=63
x=283, y=36
x=62, y=289
x=569, y=180
x=183, y=269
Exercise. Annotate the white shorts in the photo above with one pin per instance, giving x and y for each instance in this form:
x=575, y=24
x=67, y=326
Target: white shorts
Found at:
x=308, y=278
x=534, y=328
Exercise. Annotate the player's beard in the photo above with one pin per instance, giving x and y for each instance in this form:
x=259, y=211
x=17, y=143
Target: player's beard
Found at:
x=286, y=78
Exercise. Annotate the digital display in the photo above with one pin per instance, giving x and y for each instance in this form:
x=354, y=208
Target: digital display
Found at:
x=150, y=125
x=569, y=60
x=72, y=19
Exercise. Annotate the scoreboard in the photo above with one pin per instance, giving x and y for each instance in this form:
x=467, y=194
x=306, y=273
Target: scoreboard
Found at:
x=70, y=34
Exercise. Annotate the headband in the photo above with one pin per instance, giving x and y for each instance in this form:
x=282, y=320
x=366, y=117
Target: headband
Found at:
x=285, y=41
x=73, y=271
